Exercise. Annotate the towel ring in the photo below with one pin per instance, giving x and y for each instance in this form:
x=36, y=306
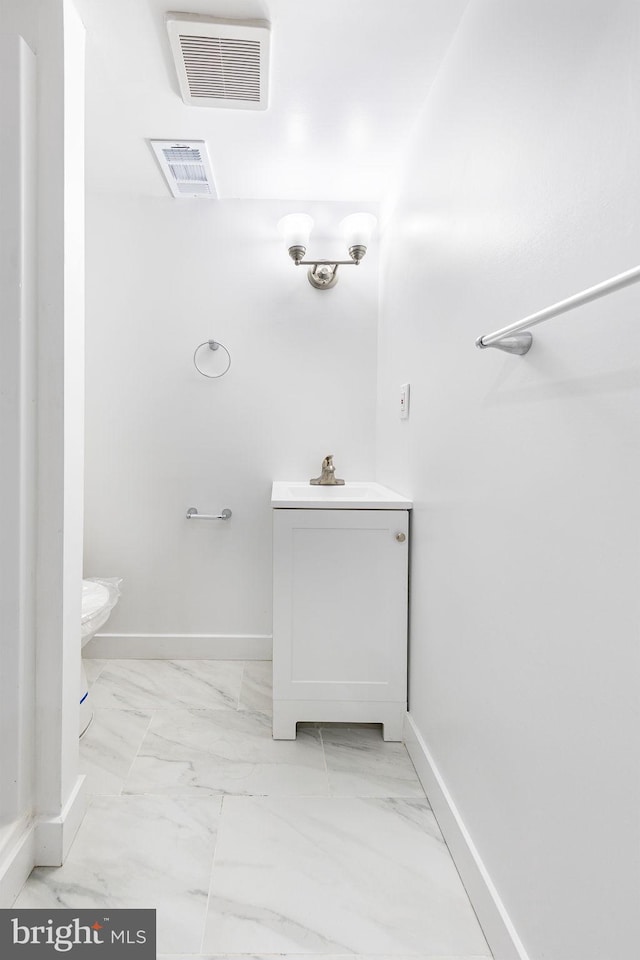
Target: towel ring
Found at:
x=213, y=345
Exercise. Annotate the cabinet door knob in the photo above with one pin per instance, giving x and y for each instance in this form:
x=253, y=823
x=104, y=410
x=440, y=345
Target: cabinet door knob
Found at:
x=400, y=537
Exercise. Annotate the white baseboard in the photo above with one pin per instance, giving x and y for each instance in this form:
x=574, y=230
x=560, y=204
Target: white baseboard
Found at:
x=16, y=862
x=41, y=843
x=498, y=929
x=173, y=646
x=54, y=835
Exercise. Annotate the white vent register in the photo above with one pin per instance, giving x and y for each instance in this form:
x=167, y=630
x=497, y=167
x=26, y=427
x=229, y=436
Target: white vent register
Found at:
x=220, y=63
x=186, y=167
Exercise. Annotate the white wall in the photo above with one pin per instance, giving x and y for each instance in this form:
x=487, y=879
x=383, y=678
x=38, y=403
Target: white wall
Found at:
x=162, y=277
x=522, y=188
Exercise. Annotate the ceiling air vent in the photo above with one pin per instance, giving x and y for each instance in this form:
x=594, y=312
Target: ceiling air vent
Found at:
x=186, y=167
x=220, y=63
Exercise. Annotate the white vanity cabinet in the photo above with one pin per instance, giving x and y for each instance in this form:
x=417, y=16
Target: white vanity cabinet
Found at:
x=340, y=584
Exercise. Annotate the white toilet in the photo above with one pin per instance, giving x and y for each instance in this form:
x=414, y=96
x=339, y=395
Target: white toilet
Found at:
x=99, y=597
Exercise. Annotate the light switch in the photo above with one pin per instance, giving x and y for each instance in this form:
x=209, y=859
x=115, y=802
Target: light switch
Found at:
x=404, y=401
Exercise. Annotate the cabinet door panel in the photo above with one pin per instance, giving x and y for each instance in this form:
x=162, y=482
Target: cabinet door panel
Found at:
x=340, y=598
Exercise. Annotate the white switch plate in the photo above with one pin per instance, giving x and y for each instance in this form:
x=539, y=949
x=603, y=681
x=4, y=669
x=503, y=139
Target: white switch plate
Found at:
x=404, y=401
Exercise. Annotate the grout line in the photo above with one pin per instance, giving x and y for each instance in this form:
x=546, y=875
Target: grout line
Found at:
x=135, y=757
x=213, y=864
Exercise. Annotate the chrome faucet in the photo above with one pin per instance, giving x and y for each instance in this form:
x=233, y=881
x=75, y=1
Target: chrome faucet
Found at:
x=328, y=476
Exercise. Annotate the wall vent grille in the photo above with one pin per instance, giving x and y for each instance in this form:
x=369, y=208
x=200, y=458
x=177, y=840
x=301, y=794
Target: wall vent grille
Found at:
x=186, y=167
x=220, y=63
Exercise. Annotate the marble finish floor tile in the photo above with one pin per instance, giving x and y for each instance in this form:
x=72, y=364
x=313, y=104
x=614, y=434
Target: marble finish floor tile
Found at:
x=109, y=746
x=154, y=684
x=256, y=692
x=93, y=668
x=335, y=876
x=361, y=764
x=138, y=852
x=327, y=850
x=223, y=752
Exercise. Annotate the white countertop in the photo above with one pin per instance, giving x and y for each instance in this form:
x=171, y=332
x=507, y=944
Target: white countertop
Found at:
x=353, y=495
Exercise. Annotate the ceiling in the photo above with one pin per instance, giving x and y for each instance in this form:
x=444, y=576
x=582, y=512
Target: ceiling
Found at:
x=347, y=80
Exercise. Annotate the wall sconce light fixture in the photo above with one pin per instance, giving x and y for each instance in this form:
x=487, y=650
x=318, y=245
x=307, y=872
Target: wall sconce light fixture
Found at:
x=323, y=274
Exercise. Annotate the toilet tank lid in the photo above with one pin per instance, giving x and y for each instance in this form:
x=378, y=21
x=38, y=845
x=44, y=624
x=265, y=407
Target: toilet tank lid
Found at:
x=95, y=596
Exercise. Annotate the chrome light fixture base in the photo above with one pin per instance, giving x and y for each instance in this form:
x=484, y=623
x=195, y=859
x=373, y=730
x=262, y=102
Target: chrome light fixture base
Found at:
x=323, y=276
x=357, y=252
x=297, y=252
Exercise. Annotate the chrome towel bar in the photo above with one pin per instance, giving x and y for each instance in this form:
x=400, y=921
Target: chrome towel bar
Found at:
x=504, y=340
x=192, y=514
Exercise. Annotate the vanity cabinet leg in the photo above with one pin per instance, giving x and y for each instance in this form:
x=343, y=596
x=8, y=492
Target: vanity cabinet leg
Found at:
x=393, y=722
x=284, y=721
